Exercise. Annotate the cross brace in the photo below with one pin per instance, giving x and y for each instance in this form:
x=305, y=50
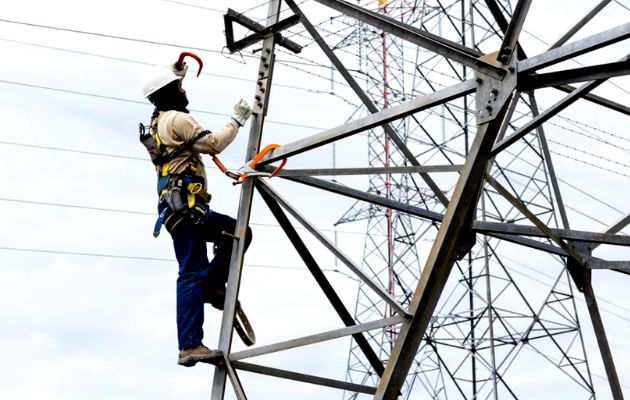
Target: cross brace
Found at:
x=260, y=31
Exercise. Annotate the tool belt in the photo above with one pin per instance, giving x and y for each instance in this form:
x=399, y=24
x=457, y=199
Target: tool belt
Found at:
x=181, y=198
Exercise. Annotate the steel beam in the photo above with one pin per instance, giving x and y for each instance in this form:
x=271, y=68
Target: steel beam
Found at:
x=602, y=342
x=369, y=104
x=548, y=161
x=550, y=112
x=317, y=338
x=590, y=73
x=321, y=279
x=295, y=376
x=502, y=22
x=545, y=116
x=371, y=121
x=441, y=259
x=562, y=40
x=575, y=49
x=602, y=101
x=532, y=244
x=500, y=19
x=513, y=31
x=615, y=227
x=451, y=50
x=275, y=197
x=260, y=30
x=566, y=234
x=236, y=382
x=366, y=171
x=245, y=202
x=571, y=251
x=614, y=265
x=580, y=24
x=370, y=198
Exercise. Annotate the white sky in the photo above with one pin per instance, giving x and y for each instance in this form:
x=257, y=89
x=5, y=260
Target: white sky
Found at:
x=87, y=296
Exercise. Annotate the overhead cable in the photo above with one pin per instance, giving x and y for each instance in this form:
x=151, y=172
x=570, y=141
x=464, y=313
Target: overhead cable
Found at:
x=114, y=210
x=143, y=102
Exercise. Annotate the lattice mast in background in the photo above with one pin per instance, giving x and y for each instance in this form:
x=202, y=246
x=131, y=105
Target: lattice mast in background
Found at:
x=487, y=319
x=467, y=320
x=390, y=253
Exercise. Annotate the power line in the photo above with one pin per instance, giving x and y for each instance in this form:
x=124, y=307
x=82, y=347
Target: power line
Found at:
x=307, y=62
x=209, y=112
x=622, y=5
x=75, y=92
x=92, y=153
x=85, y=53
x=152, y=214
x=145, y=258
x=590, y=164
x=126, y=257
x=211, y=167
x=194, y=5
x=109, y=36
x=518, y=271
x=144, y=41
x=588, y=153
x=171, y=260
x=131, y=39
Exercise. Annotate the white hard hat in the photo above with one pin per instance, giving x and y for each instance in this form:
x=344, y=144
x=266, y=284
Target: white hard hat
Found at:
x=156, y=80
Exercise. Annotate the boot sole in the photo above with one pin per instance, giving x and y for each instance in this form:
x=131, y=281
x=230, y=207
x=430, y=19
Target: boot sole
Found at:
x=191, y=360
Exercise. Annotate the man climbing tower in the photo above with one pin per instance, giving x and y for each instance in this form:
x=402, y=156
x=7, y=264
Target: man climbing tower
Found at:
x=175, y=142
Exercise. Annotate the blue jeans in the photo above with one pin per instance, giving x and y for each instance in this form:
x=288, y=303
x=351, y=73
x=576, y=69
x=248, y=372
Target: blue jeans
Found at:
x=197, y=275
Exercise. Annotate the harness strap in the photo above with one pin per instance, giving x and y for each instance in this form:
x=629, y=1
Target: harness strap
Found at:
x=178, y=150
x=158, y=222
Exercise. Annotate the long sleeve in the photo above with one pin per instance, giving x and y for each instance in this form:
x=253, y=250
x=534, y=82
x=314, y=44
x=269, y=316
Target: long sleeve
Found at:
x=217, y=141
x=177, y=128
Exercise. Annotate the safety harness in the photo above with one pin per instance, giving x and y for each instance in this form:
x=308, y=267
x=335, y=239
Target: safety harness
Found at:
x=183, y=193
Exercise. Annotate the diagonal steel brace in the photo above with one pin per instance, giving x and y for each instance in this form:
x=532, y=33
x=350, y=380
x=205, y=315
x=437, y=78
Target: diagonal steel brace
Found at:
x=260, y=31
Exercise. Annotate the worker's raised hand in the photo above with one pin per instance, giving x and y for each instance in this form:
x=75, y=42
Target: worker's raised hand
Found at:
x=242, y=112
x=179, y=69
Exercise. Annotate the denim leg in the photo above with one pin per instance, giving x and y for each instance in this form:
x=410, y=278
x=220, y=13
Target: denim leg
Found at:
x=190, y=249
x=215, y=224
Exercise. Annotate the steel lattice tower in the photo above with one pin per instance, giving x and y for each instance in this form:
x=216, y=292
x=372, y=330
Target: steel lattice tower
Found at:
x=462, y=194
x=391, y=252
x=487, y=318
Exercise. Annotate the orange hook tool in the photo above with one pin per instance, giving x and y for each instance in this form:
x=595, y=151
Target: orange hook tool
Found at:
x=185, y=54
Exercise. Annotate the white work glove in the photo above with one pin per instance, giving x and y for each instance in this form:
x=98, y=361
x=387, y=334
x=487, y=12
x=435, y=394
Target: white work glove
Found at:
x=180, y=72
x=242, y=112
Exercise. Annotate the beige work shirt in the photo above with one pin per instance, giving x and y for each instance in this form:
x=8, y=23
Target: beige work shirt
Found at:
x=176, y=128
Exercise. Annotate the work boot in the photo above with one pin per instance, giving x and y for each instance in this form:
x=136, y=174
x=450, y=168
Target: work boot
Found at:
x=190, y=357
x=216, y=297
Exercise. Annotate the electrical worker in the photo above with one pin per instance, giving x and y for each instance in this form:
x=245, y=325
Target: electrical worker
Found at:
x=175, y=143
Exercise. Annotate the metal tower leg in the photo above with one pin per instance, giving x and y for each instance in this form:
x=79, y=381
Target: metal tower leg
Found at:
x=245, y=204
